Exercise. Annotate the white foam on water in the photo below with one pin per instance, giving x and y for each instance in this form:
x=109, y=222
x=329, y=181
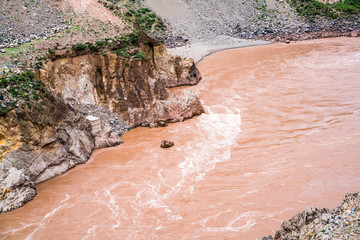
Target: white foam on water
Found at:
x=13, y=231
x=63, y=204
x=91, y=233
x=247, y=217
x=218, y=132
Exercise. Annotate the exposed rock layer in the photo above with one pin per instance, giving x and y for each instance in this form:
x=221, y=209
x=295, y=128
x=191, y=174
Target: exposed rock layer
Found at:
x=45, y=142
x=135, y=88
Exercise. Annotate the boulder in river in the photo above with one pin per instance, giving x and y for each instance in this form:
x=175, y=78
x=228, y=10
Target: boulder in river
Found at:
x=166, y=144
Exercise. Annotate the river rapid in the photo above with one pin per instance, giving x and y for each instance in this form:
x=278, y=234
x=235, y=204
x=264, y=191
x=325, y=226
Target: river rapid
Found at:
x=281, y=132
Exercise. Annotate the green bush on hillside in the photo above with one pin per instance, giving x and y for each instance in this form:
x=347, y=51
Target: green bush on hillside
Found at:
x=78, y=47
x=141, y=55
x=22, y=88
x=313, y=8
x=146, y=19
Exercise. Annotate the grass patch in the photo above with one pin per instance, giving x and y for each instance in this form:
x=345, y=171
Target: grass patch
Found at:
x=22, y=90
x=141, y=55
x=78, y=47
x=312, y=8
x=51, y=51
x=123, y=52
x=16, y=51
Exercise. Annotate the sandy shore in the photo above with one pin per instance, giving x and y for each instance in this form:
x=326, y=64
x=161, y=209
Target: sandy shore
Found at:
x=199, y=50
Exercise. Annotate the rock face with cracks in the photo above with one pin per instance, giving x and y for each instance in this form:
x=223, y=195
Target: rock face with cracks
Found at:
x=41, y=143
x=135, y=89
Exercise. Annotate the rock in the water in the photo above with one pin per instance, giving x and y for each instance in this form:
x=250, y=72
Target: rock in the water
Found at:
x=166, y=144
x=2, y=50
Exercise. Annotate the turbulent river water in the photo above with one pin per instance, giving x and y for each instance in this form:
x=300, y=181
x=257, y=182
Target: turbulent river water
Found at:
x=281, y=132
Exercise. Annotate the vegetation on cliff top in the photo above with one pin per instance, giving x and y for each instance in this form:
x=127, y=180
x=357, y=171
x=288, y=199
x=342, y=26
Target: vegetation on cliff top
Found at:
x=20, y=90
x=135, y=14
x=313, y=8
x=126, y=46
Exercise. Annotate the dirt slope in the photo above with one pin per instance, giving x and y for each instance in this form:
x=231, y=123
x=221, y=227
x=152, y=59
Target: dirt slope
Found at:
x=205, y=20
x=91, y=7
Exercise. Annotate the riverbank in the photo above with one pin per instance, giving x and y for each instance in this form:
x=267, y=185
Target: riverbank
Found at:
x=342, y=222
x=198, y=51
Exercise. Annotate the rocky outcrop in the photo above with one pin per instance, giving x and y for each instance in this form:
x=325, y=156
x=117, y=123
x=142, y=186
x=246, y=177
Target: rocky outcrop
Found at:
x=134, y=88
x=43, y=142
x=315, y=223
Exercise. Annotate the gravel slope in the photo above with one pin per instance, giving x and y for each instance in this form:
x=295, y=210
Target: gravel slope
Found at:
x=25, y=21
x=212, y=25
x=203, y=19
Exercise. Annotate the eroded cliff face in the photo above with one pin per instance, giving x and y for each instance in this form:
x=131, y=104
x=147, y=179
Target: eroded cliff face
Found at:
x=134, y=88
x=42, y=142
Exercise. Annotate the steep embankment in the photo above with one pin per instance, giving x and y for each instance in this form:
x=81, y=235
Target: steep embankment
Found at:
x=130, y=81
x=208, y=20
x=41, y=137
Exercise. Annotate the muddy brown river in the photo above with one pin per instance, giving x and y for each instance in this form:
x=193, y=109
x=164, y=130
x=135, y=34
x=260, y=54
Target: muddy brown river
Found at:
x=281, y=132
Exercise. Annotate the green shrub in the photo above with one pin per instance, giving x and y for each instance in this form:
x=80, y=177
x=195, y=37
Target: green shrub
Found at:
x=3, y=111
x=122, y=52
x=312, y=8
x=23, y=90
x=51, y=51
x=38, y=65
x=130, y=38
x=78, y=47
x=141, y=55
x=146, y=19
x=100, y=44
x=92, y=47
